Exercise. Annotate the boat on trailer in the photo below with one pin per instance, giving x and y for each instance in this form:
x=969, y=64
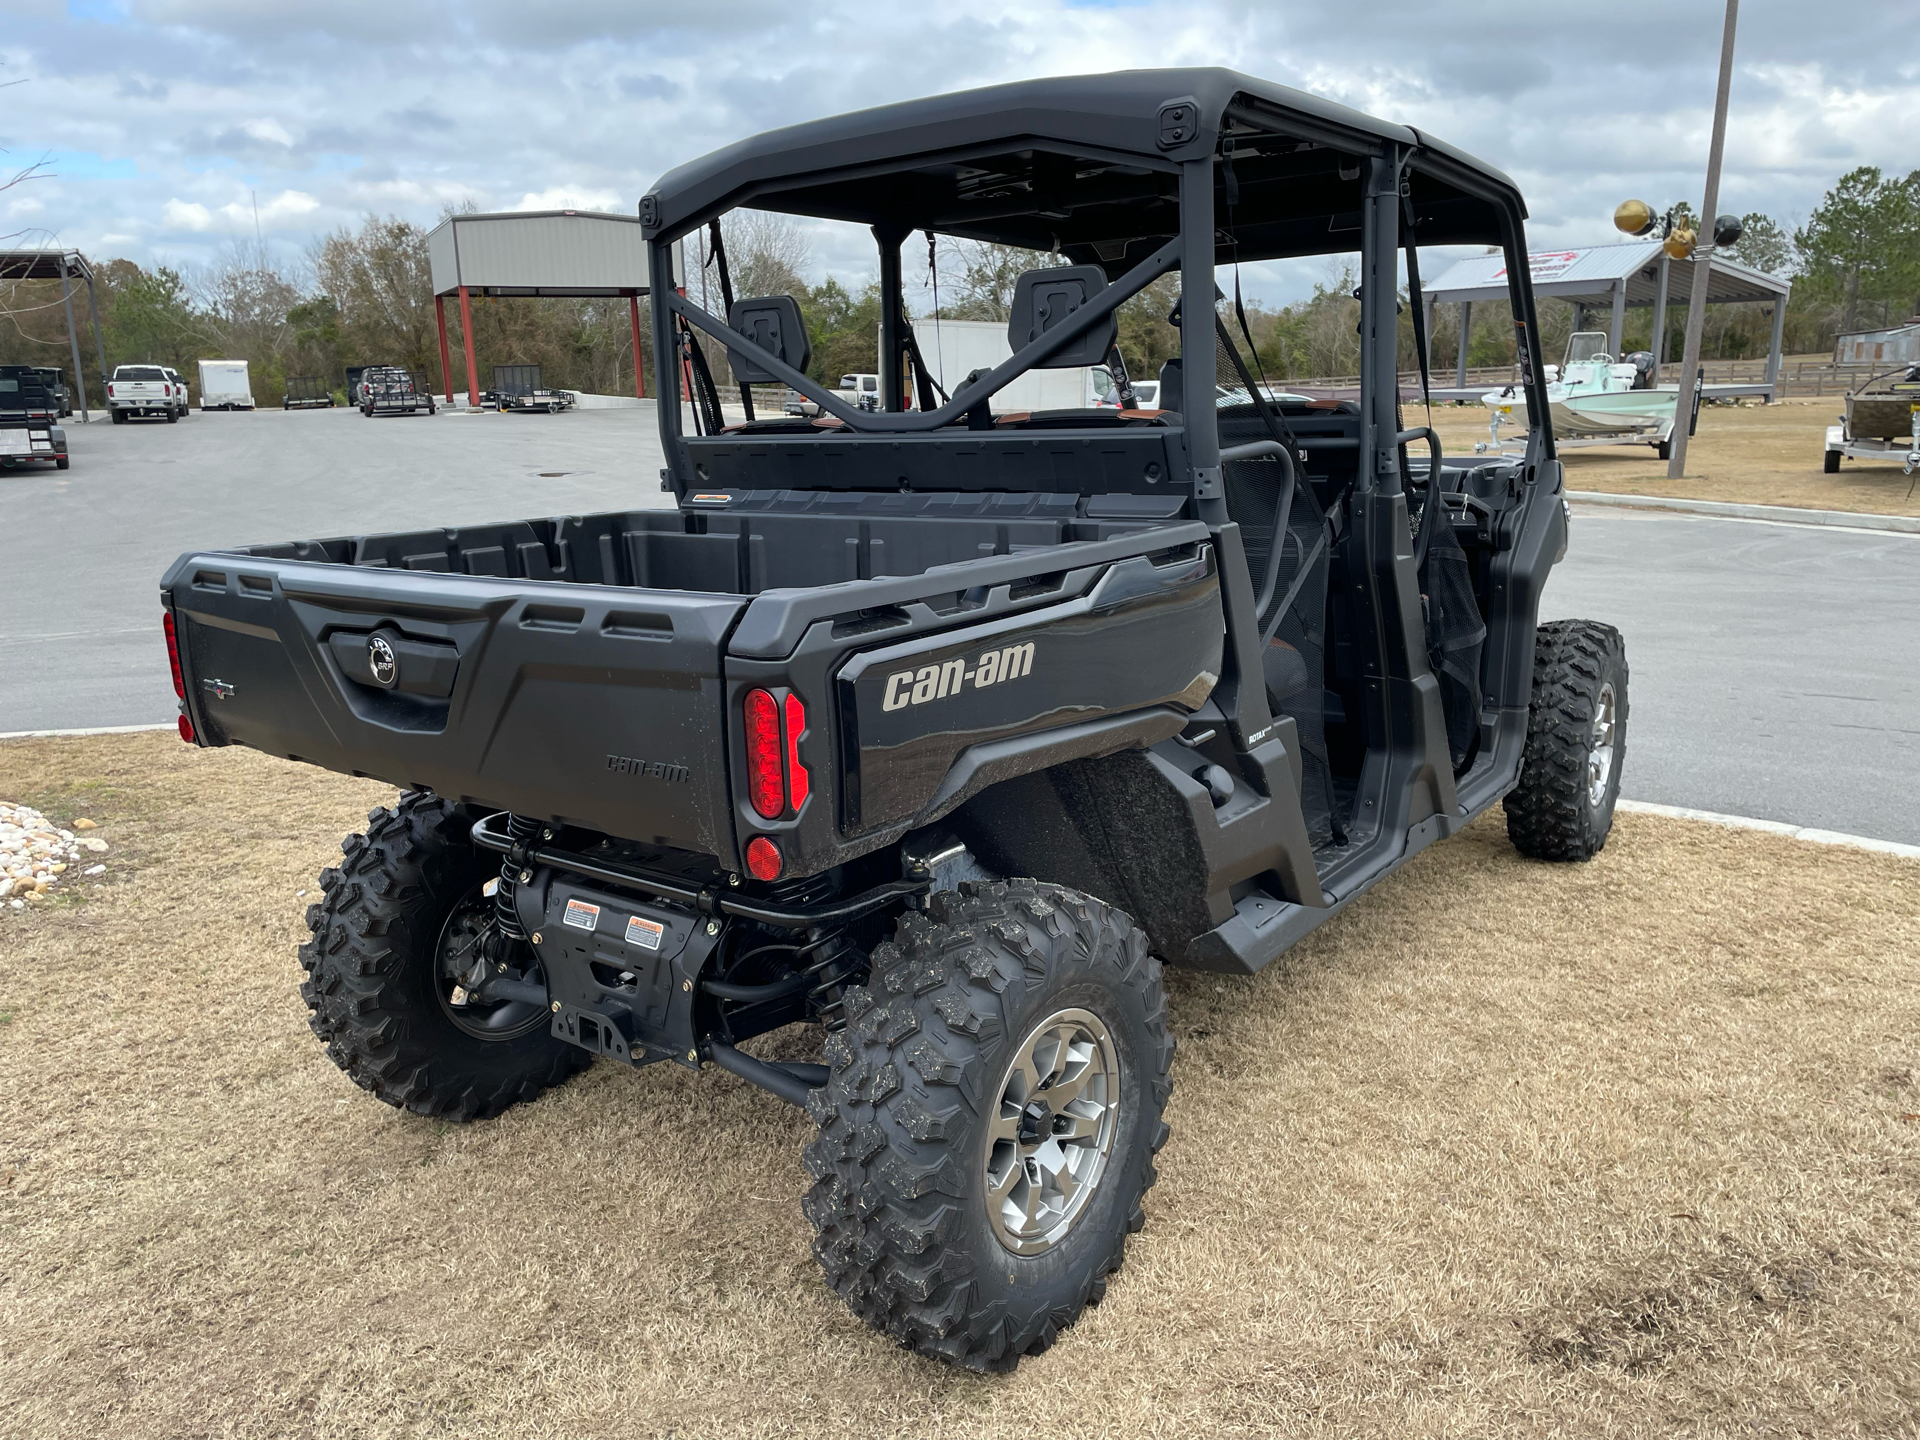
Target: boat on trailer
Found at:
x=1593, y=399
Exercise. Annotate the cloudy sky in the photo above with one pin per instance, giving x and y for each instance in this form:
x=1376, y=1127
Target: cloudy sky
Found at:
x=165, y=122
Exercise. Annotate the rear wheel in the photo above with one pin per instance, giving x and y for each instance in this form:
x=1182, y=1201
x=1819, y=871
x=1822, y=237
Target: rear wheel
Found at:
x=172, y=416
x=61, y=463
x=988, y=1129
x=1832, y=465
x=395, y=944
x=1562, y=809
x=119, y=417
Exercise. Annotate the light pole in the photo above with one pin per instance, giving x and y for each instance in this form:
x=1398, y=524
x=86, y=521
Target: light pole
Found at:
x=1702, y=259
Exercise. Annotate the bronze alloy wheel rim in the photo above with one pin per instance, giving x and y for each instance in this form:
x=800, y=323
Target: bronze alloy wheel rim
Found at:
x=1051, y=1133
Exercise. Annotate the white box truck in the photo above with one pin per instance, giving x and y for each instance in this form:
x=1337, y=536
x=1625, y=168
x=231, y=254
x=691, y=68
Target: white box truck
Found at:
x=224, y=385
x=953, y=349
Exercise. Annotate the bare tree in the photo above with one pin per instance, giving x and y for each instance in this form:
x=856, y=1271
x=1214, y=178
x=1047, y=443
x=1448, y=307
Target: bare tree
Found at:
x=767, y=254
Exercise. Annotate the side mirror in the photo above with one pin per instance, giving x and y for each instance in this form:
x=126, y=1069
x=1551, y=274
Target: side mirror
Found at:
x=1043, y=299
x=773, y=323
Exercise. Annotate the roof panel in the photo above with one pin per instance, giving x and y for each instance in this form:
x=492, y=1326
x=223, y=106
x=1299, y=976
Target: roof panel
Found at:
x=1117, y=113
x=1588, y=274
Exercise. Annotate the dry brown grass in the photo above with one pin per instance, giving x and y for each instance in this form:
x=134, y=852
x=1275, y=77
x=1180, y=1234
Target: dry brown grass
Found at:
x=1627, y=1148
x=1750, y=454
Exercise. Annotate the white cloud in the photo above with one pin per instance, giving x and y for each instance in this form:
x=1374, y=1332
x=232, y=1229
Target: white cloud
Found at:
x=268, y=130
x=185, y=215
x=25, y=205
x=338, y=111
x=112, y=238
x=287, y=205
x=572, y=197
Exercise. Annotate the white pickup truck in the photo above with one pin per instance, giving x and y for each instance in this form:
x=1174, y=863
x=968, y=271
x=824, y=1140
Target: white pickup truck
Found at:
x=138, y=390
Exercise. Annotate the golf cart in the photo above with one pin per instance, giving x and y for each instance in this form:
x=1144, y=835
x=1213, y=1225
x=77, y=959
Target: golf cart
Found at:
x=939, y=730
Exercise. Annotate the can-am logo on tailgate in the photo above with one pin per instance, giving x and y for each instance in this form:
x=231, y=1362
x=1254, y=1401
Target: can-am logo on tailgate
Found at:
x=937, y=682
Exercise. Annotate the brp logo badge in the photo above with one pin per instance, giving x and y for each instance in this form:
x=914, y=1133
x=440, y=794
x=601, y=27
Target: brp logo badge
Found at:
x=382, y=661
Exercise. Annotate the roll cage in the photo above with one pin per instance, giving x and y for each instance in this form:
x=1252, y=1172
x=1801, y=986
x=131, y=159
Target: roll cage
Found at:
x=1140, y=174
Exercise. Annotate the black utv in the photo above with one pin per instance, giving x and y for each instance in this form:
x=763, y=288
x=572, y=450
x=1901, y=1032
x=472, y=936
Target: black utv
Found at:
x=937, y=729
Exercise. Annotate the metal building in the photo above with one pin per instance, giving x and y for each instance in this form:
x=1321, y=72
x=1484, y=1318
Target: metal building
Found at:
x=534, y=252
x=1898, y=346
x=1611, y=278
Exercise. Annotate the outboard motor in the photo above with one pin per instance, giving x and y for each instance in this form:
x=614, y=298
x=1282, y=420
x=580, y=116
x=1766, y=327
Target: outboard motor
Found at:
x=1642, y=362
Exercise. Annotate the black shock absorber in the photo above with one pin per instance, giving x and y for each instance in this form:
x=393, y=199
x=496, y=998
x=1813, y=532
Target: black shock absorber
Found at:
x=835, y=962
x=829, y=959
x=524, y=833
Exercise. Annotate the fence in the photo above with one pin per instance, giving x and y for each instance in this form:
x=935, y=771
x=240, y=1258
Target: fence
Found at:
x=1797, y=377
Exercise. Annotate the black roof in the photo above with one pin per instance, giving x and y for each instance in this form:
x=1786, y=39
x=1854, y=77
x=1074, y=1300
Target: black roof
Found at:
x=1091, y=149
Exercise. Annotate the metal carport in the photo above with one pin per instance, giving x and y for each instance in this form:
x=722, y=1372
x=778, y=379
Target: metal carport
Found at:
x=65, y=266
x=567, y=253
x=1612, y=278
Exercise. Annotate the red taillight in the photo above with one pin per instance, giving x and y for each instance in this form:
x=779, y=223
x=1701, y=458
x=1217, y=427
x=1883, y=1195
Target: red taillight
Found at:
x=109, y=392
x=763, y=858
x=766, y=786
x=173, y=657
x=186, y=729
x=797, y=781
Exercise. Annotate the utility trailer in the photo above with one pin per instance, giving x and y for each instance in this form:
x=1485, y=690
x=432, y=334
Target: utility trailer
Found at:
x=1881, y=422
x=306, y=392
x=224, y=385
x=30, y=428
x=940, y=730
x=518, y=388
x=390, y=390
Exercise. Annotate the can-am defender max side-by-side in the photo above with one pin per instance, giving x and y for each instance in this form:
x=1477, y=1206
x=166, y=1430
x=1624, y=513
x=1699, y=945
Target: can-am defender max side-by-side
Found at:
x=939, y=729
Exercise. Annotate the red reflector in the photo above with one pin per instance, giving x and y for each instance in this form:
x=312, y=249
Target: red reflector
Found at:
x=766, y=786
x=797, y=781
x=186, y=729
x=763, y=858
x=173, y=658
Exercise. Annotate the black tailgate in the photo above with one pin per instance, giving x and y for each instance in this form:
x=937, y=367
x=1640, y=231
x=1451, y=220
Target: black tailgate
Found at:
x=595, y=705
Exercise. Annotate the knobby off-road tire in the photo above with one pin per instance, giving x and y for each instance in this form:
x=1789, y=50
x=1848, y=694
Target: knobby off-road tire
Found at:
x=1562, y=808
x=372, y=981
x=918, y=1076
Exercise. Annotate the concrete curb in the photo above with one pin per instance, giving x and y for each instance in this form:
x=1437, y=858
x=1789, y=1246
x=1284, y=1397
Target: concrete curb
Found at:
x=90, y=730
x=1773, y=827
x=1779, y=514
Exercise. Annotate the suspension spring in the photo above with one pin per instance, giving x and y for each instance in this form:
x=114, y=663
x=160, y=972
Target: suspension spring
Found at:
x=506, y=916
x=836, y=964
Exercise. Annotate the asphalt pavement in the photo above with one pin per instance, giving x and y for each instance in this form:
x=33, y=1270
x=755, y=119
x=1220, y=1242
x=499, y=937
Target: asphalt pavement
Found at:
x=1775, y=668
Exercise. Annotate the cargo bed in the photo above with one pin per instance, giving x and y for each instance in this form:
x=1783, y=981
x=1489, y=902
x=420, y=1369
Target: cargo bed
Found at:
x=583, y=669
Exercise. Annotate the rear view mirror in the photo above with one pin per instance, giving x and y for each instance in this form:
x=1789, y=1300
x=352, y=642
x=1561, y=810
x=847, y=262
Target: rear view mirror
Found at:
x=773, y=323
x=1044, y=299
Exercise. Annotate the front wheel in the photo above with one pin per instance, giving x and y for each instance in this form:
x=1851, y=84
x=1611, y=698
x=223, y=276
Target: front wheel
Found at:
x=1562, y=809
x=988, y=1129
x=404, y=931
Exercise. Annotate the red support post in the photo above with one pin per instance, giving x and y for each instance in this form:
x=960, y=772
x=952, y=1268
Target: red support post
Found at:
x=446, y=361
x=639, y=361
x=466, y=339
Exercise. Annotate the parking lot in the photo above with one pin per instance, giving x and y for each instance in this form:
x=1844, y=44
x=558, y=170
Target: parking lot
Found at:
x=1776, y=668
